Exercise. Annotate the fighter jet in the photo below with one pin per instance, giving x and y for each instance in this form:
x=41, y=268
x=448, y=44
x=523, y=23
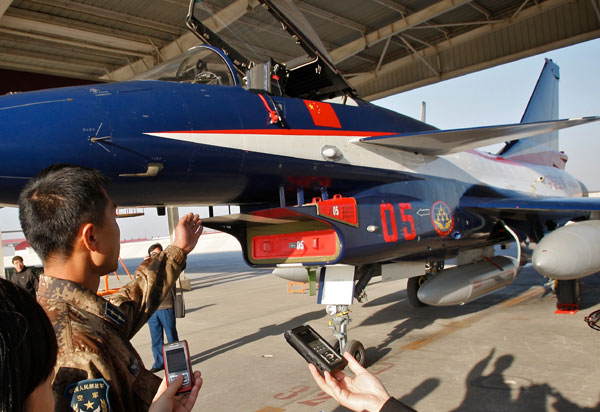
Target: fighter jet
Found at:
x=323, y=178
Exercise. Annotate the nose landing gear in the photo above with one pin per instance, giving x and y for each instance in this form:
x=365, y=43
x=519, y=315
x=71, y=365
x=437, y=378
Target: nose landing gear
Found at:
x=339, y=324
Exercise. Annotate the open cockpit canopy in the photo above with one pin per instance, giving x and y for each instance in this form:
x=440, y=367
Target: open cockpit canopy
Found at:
x=200, y=64
x=300, y=66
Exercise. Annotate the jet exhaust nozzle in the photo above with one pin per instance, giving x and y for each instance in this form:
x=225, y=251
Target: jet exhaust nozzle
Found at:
x=464, y=283
x=570, y=252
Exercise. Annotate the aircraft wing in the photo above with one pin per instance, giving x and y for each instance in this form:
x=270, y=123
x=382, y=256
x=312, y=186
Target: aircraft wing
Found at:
x=553, y=205
x=441, y=142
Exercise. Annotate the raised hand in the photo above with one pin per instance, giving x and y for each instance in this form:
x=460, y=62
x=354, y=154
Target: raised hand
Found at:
x=187, y=232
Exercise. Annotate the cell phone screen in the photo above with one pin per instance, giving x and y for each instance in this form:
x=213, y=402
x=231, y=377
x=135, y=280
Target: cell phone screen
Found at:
x=176, y=360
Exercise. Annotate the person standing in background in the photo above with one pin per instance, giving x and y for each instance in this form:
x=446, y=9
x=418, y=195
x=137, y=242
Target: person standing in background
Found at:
x=24, y=276
x=162, y=320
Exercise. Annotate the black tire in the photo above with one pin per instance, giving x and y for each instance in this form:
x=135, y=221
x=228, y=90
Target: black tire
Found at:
x=568, y=292
x=335, y=344
x=357, y=350
x=412, y=287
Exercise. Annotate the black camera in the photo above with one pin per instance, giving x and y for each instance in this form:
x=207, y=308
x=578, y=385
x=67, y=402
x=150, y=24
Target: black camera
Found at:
x=312, y=347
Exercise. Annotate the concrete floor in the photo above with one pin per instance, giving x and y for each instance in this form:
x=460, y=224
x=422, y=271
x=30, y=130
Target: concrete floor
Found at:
x=507, y=351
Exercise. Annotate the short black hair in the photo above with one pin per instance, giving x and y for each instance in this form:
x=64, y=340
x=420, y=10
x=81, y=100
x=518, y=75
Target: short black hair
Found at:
x=154, y=246
x=16, y=257
x=56, y=203
x=28, y=347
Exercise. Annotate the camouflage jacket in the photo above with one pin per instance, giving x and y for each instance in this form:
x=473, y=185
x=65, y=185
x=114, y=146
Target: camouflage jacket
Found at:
x=98, y=369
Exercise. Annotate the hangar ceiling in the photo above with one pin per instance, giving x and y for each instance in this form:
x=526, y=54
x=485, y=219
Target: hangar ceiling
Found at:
x=382, y=46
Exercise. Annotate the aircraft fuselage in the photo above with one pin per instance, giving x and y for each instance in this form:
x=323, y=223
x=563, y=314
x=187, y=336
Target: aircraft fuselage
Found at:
x=216, y=146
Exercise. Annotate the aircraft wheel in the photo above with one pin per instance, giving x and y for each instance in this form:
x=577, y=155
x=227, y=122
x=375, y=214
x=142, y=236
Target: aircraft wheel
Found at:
x=568, y=292
x=356, y=349
x=412, y=287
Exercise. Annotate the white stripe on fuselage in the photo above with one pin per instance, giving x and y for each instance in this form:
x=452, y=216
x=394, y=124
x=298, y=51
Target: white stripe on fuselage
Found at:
x=466, y=166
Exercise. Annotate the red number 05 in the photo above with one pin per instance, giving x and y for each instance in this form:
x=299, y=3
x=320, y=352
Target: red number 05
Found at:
x=386, y=209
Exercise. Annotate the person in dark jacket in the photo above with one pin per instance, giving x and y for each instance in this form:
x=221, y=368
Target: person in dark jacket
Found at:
x=24, y=276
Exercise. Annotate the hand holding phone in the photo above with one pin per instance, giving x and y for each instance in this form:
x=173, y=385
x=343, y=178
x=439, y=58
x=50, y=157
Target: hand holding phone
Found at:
x=312, y=347
x=176, y=356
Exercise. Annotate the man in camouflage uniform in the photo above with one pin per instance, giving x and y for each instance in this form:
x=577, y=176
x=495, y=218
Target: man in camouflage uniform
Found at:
x=69, y=220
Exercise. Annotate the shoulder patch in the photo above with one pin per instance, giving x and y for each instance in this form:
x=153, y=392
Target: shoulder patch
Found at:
x=88, y=395
x=114, y=314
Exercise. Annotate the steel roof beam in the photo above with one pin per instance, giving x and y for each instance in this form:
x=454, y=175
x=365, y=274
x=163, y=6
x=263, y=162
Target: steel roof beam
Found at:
x=416, y=53
x=481, y=9
x=596, y=8
x=33, y=27
x=49, y=70
x=49, y=47
x=74, y=24
x=53, y=59
x=112, y=15
x=73, y=42
x=447, y=44
x=332, y=17
x=4, y=5
x=385, y=47
x=398, y=26
x=390, y=4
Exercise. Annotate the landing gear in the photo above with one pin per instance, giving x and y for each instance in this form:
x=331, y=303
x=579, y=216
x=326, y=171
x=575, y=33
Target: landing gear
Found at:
x=340, y=314
x=413, y=284
x=568, y=292
x=357, y=350
x=412, y=287
x=339, y=323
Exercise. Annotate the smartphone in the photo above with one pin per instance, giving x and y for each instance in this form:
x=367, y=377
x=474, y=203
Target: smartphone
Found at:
x=176, y=357
x=312, y=347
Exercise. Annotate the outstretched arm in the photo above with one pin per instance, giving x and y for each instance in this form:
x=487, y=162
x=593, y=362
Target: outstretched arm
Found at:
x=364, y=392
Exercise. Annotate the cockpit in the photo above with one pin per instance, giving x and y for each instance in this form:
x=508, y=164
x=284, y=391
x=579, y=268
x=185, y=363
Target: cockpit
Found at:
x=199, y=65
x=301, y=67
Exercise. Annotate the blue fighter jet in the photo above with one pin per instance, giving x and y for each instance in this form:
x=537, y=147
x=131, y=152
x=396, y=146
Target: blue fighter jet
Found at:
x=323, y=178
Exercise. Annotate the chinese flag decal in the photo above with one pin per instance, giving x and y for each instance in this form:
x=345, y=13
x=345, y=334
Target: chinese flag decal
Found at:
x=322, y=114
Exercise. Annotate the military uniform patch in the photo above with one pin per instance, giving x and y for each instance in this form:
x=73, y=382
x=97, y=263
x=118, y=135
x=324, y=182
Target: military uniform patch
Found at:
x=88, y=395
x=114, y=314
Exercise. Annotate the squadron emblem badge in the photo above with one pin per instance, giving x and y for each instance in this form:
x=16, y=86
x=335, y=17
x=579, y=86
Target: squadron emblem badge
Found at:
x=441, y=217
